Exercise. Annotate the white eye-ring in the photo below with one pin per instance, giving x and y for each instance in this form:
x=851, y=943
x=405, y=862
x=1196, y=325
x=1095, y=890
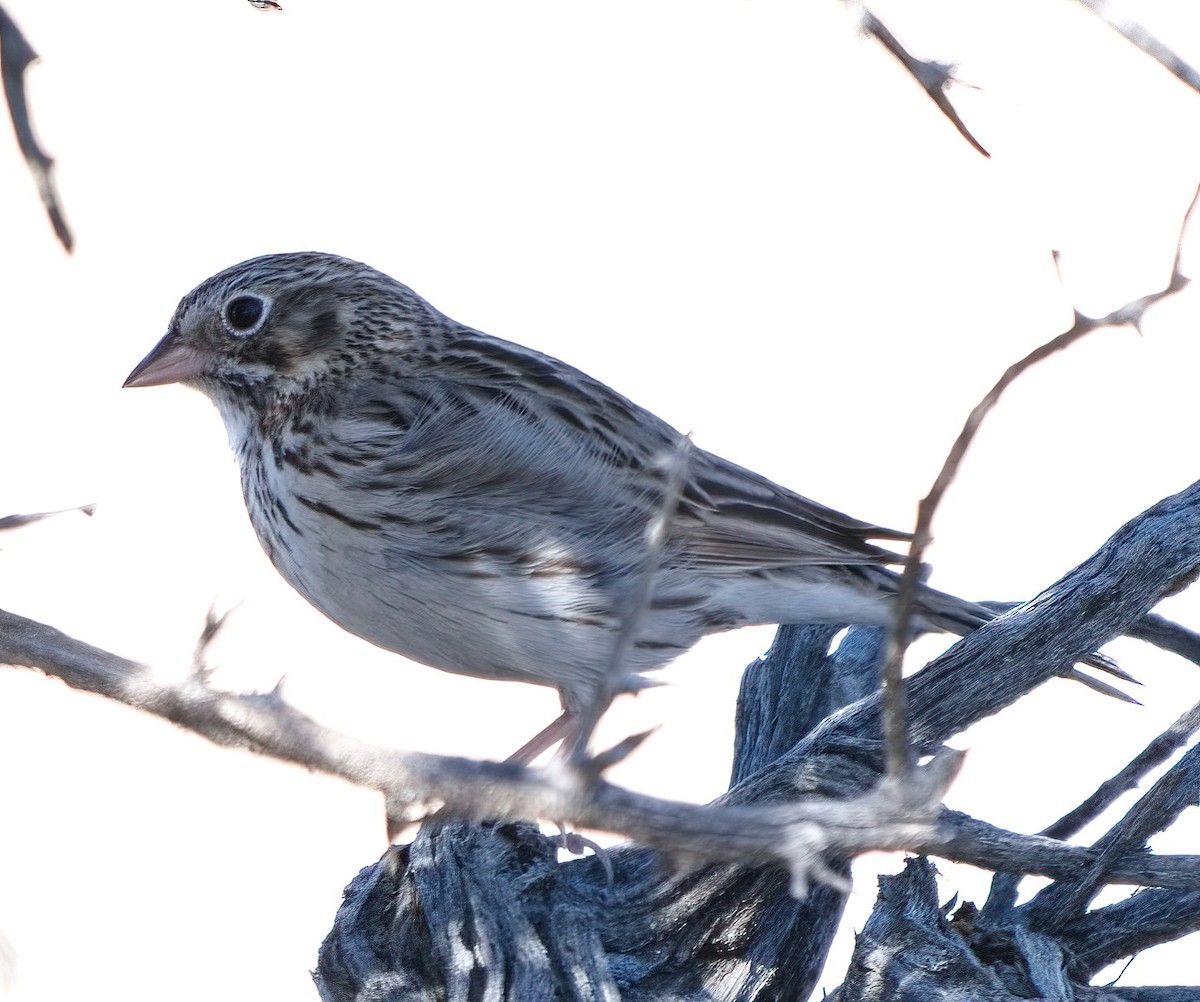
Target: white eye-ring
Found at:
x=245, y=313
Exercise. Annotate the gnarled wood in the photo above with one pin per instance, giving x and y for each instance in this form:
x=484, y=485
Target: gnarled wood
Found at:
x=487, y=911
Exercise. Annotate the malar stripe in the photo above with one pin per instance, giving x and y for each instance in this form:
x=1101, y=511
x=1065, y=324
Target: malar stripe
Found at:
x=321, y=508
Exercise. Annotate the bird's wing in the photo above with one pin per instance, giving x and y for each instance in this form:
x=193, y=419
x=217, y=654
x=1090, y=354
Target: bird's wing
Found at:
x=578, y=458
x=732, y=518
x=492, y=472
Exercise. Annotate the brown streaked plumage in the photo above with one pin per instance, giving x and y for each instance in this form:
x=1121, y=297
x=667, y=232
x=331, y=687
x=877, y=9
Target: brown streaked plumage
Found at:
x=481, y=507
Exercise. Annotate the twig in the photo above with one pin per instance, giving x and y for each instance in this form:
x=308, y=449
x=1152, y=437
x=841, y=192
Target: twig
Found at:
x=1152, y=628
x=1149, y=917
x=969, y=840
x=1002, y=896
x=933, y=77
x=657, y=534
x=1134, y=33
x=1154, y=754
x=15, y=56
x=1168, y=636
x=1063, y=902
x=17, y=521
x=1131, y=314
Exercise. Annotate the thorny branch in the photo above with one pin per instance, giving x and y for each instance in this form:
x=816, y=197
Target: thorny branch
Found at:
x=799, y=835
x=414, y=785
x=1131, y=315
x=15, y=56
x=933, y=77
x=761, y=819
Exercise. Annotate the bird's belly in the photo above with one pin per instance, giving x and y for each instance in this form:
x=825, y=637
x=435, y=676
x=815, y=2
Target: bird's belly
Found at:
x=497, y=628
x=467, y=615
x=531, y=612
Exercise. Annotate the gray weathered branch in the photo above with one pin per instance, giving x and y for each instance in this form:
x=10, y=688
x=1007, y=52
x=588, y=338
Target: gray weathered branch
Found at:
x=798, y=835
x=736, y=935
x=910, y=949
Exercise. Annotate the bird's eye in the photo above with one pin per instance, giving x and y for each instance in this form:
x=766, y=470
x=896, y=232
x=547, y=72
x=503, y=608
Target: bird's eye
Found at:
x=243, y=315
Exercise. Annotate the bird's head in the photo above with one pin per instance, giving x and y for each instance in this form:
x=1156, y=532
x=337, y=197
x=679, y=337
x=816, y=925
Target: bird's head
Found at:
x=278, y=324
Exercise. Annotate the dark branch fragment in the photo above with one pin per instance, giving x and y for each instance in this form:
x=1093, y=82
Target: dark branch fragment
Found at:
x=17, y=521
x=933, y=77
x=15, y=56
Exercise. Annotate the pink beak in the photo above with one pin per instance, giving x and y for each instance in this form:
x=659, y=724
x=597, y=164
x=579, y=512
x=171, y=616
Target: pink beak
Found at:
x=168, y=362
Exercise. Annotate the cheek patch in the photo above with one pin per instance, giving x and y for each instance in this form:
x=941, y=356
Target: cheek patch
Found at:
x=298, y=343
x=269, y=352
x=322, y=331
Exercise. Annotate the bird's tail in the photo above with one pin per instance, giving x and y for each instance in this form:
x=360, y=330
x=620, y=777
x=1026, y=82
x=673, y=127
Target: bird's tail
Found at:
x=940, y=611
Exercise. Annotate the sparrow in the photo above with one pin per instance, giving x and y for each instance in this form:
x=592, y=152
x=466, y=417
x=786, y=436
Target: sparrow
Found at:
x=483, y=508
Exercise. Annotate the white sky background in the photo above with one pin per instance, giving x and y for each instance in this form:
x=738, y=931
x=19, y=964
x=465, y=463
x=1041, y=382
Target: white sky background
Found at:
x=736, y=212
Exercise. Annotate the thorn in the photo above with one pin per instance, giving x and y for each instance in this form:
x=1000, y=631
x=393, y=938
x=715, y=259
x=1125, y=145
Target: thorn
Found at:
x=1107, y=664
x=1075, y=675
x=605, y=760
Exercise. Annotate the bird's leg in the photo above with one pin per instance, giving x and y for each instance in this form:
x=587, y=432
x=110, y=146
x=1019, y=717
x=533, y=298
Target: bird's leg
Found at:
x=563, y=728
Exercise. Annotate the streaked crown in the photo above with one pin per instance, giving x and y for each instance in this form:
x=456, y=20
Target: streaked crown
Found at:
x=276, y=323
